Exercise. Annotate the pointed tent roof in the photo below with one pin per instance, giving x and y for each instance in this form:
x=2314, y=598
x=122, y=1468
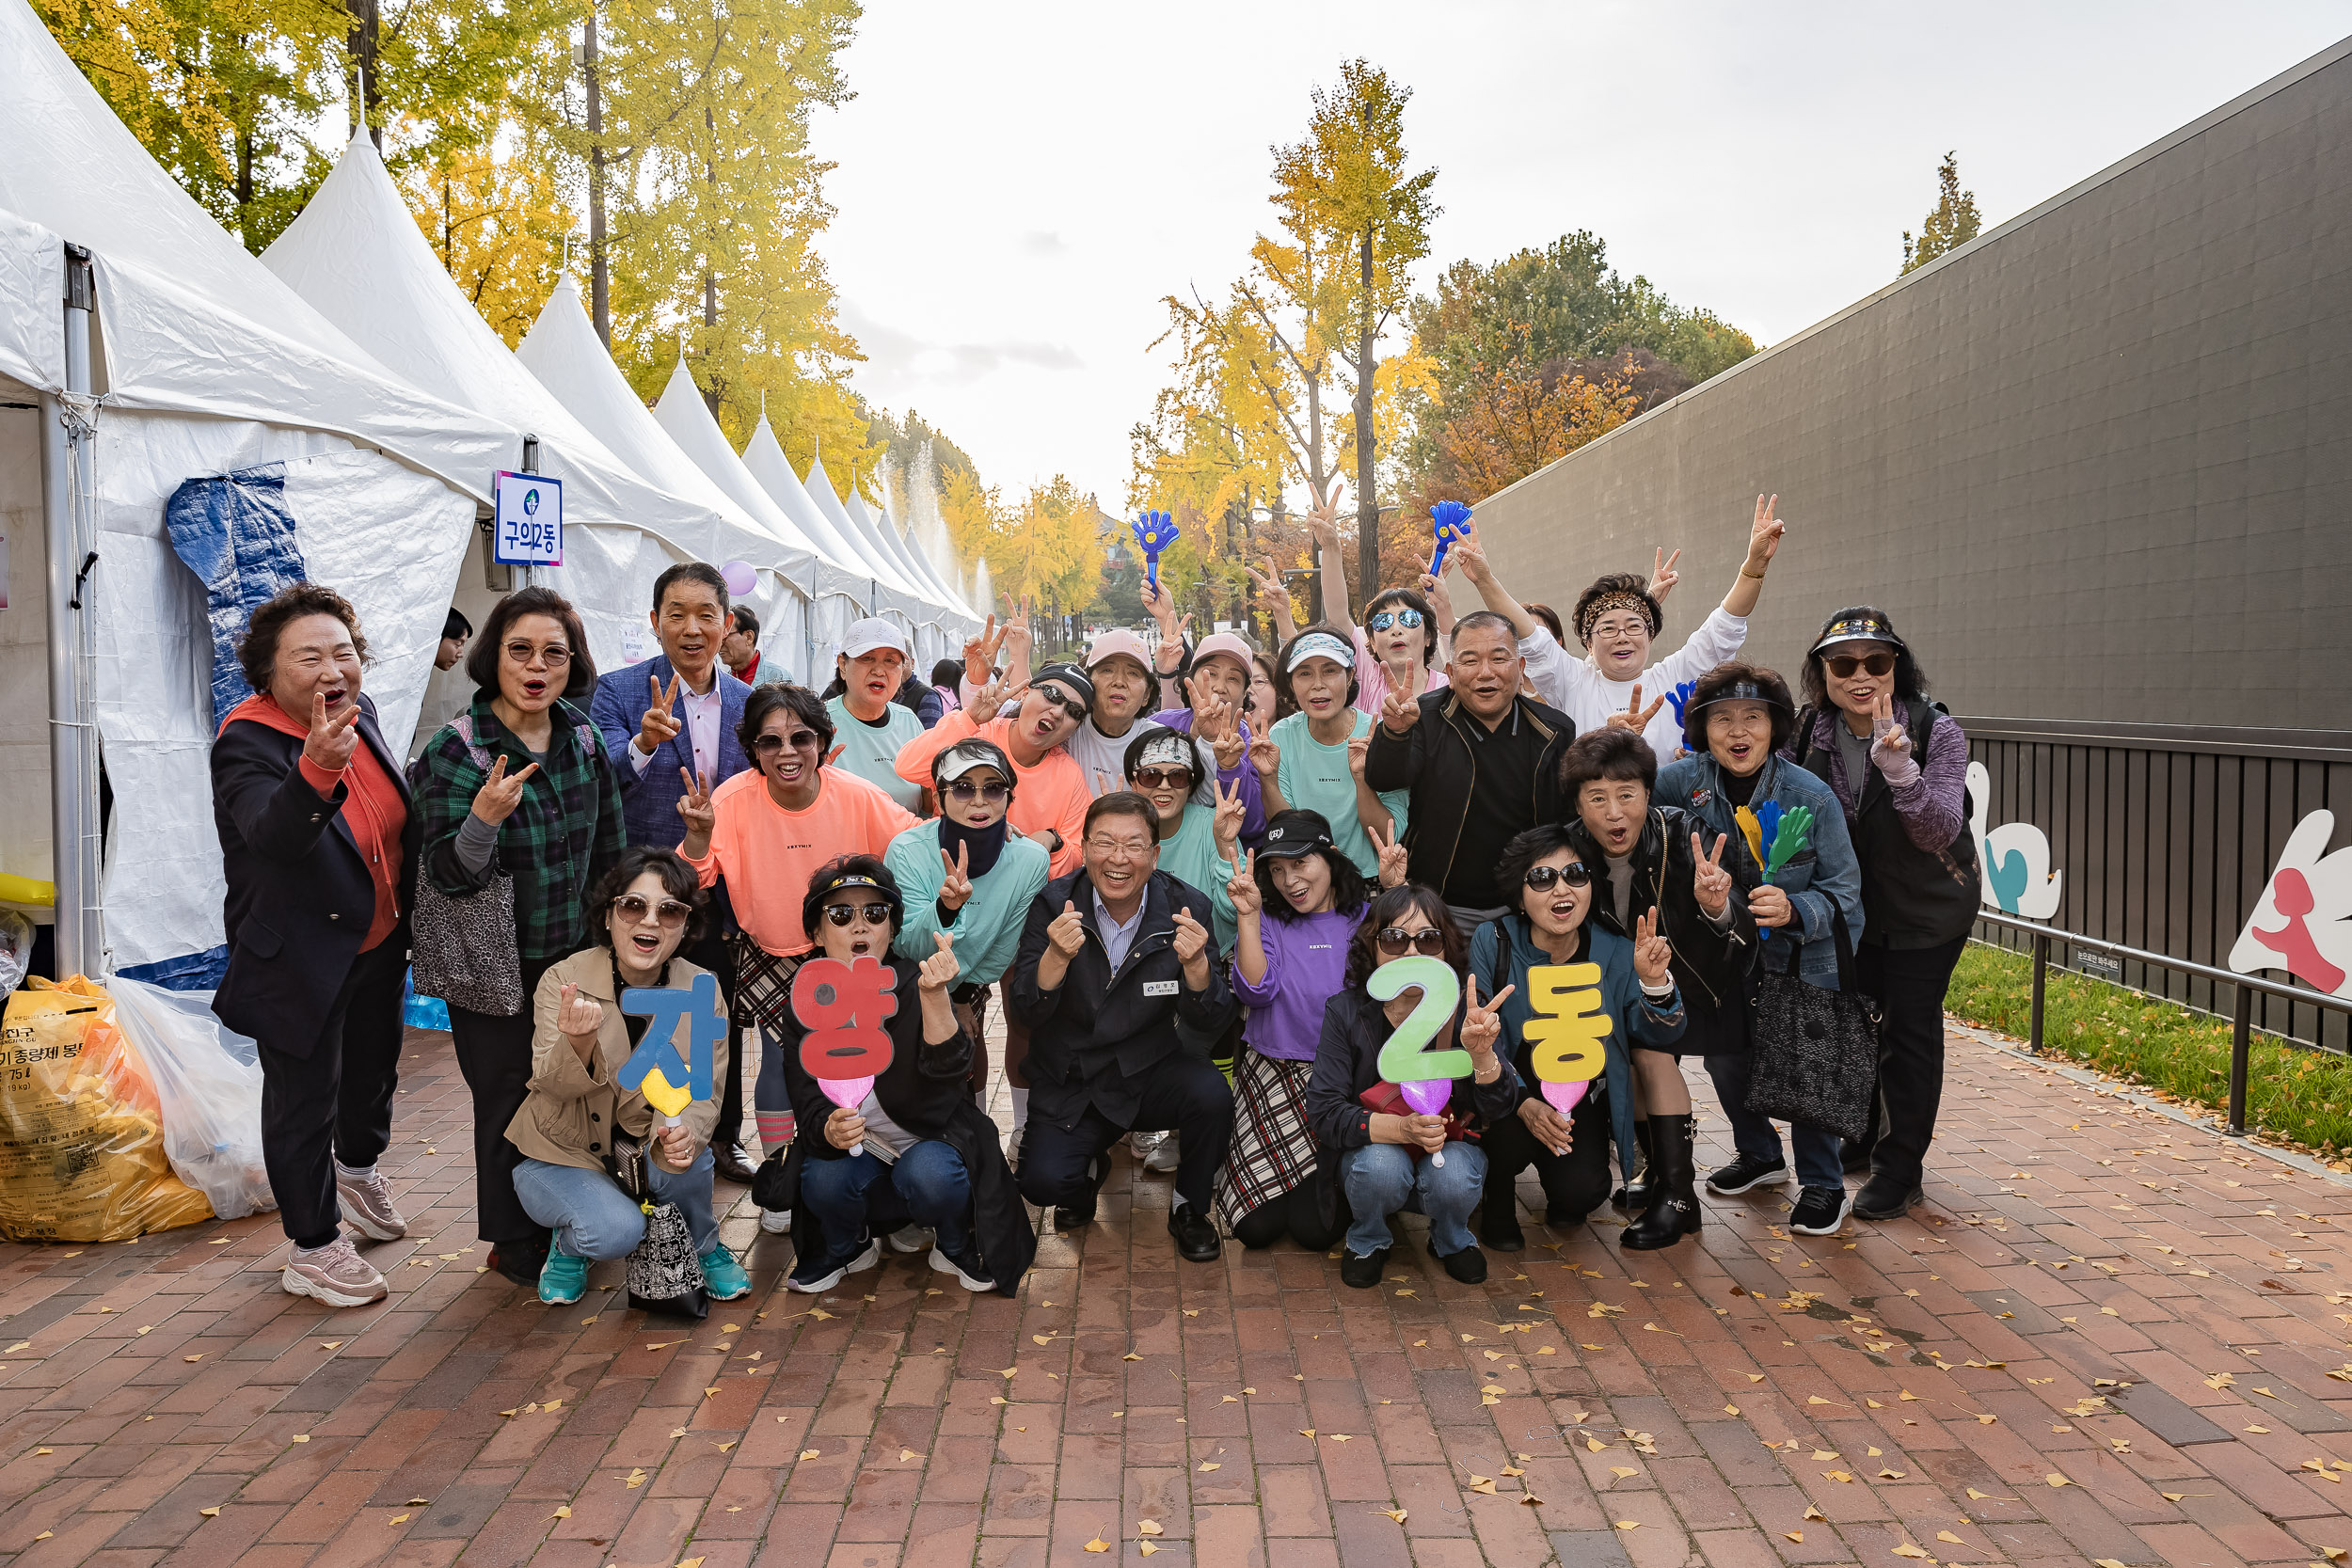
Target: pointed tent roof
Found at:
x=192, y=323
x=356, y=254
x=763, y=456
x=896, y=547
x=562, y=351
x=687, y=419
x=828, y=499
x=930, y=568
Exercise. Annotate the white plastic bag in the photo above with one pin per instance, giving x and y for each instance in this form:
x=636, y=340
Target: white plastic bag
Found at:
x=16, y=949
x=209, y=1079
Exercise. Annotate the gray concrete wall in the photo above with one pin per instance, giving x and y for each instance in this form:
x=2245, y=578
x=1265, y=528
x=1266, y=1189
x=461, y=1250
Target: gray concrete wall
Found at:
x=2097, y=463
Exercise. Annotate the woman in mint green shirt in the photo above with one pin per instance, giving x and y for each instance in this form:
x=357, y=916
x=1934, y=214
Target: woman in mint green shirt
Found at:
x=1315, y=759
x=1198, y=845
x=967, y=874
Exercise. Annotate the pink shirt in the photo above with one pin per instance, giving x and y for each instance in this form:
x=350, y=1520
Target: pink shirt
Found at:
x=1371, y=678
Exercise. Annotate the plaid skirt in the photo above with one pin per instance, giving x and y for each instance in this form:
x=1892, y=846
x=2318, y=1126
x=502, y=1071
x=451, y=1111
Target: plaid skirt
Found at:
x=1273, y=1150
x=763, y=986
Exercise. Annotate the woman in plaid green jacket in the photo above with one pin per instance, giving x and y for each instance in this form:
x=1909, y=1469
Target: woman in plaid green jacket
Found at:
x=518, y=787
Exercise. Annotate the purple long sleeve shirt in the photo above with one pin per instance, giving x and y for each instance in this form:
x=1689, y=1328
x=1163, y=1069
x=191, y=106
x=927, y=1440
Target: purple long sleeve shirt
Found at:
x=1934, y=805
x=1306, y=965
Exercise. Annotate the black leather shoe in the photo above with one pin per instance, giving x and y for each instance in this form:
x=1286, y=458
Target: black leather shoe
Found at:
x=1468, y=1265
x=1196, y=1238
x=1499, y=1225
x=1744, y=1173
x=730, y=1163
x=1070, y=1217
x=519, y=1262
x=1884, y=1197
x=1363, y=1274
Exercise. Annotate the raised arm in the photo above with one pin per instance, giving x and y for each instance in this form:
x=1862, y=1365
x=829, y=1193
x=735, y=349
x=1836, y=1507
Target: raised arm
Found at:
x=1322, y=523
x=1471, y=556
x=1763, y=542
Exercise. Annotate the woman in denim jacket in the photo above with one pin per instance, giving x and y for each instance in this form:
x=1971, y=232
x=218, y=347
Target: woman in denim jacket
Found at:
x=1734, y=722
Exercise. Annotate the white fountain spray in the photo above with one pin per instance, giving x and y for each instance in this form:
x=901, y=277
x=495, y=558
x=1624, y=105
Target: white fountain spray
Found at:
x=983, y=594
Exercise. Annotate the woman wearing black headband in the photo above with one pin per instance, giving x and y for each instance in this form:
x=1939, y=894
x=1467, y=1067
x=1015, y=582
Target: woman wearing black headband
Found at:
x=1738, y=718
x=1899, y=766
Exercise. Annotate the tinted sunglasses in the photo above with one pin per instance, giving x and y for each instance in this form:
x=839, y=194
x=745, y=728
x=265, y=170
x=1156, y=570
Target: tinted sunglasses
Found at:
x=873, y=915
x=800, y=741
x=1844, y=665
x=1064, y=700
x=554, y=656
x=1541, y=877
x=1428, y=942
x=966, y=791
x=1163, y=778
x=1383, y=619
x=669, y=911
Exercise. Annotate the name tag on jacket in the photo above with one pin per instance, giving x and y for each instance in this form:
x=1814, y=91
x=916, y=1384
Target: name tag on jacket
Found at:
x=1159, y=988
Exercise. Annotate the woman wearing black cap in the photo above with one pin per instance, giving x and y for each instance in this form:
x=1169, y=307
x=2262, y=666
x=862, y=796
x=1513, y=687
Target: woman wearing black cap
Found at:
x=1900, y=767
x=1298, y=901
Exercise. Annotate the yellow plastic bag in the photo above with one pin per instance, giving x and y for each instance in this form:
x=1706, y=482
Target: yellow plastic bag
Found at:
x=81, y=1139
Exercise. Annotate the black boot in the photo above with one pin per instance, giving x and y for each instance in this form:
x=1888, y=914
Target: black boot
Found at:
x=1499, y=1216
x=1634, y=1195
x=1674, y=1210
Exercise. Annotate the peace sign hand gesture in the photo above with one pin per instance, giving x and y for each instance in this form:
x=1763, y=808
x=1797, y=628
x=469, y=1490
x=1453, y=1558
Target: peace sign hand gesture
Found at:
x=1890, y=744
x=1016, y=637
x=1270, y=589
x=1400, y=710
x=957, y=886
x=1636, y=718
x=1241, y=887
x=331, y=741
x=660, y=723
x=1395, y=859
x=994, y=694
x=1663, y=576
x=979, y=654
x=1323, y=517
x=496, y=800
x=1482, y=1027
x=938, y=971
x=694, y=804
x=1226, y=827
x=1764, y=535
x=1267, y=758
x=1652, y=952
x=1710, y=882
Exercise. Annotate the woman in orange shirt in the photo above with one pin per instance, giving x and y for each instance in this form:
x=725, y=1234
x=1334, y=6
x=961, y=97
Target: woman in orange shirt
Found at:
x=1050, y=804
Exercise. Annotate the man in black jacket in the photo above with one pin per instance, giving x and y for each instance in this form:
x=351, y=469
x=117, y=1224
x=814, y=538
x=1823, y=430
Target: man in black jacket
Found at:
x=317, y=847
x=1113, y=955
x=1482, y=762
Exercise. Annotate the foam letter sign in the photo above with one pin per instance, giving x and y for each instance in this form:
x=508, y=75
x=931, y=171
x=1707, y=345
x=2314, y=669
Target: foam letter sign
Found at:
x=1425, y=1077
x=2303, y=921
x=1566, y=1035
x=844, y=1006
x=2015, y=858
x=654, y=1070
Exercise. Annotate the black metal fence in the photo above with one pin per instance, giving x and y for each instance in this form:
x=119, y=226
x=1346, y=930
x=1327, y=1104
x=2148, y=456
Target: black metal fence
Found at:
x=2167, y=836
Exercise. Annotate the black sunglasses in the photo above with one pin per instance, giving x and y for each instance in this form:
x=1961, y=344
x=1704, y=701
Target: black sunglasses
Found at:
x=1428, y=942
x=1542, y=876
x=1164, y=778
x=1844, y=665
x=1064, y=700
x=966, y=791
x=873, y=915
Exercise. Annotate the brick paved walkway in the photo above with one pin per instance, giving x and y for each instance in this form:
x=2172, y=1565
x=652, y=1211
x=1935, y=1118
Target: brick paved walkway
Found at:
x=2107, y=1337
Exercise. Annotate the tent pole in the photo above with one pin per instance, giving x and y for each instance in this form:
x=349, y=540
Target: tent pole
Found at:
x=68, y=477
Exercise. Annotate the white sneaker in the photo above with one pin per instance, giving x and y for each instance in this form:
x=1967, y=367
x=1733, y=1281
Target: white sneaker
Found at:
x=1142, y=1144
x=910, y=1238
x=776, y=1222
x=945, y=1264
x=864, y=1260
x=334, y=1274
x=1164, y=1160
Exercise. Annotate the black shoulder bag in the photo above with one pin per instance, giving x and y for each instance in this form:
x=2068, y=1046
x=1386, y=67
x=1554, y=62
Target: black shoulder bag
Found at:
x=1817, y=1051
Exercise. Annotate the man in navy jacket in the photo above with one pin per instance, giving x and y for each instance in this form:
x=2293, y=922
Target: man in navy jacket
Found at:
x=670, y=716
x=1111, y=957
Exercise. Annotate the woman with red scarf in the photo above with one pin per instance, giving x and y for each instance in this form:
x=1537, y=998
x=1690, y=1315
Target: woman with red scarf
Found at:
x=316, y=842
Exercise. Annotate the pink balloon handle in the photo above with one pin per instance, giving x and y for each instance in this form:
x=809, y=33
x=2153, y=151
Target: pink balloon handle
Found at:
x=1428, y=1096
x=848, y=1093
x=1565, y=1096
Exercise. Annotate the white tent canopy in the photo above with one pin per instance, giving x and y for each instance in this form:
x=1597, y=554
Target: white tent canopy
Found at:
x=357, y=254
x=204, y=362
x=887, y=592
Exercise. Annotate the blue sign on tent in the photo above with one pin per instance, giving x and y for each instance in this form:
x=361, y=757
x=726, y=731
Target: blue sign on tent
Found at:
x=530, y=527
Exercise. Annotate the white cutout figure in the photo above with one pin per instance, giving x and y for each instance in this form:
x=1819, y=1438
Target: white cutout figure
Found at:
x=2303, y=921
x=2013, y=857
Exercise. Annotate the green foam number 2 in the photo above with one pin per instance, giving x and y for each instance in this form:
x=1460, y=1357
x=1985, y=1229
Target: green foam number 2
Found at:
x=1406, y=1059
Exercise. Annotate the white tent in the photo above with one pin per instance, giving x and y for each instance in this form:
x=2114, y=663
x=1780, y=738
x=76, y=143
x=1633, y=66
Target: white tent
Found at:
x=563, y=352
x=941, y=610
x=357, y=254
x=930, y=568
x=859, y=526
x=889, y=593
x=201, y=363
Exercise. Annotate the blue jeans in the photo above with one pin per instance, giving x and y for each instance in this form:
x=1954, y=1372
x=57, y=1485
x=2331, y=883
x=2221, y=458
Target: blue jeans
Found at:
x=857, y=1196
x=1381, y=1178
x=1820, y=1155
x=593, y=1218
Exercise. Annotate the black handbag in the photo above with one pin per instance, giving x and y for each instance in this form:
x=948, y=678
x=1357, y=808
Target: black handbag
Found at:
x=462, y=948
x=664, y=1273
x=1815, y=1052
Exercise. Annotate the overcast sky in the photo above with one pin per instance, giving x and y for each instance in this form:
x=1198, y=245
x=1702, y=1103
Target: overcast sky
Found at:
x=1019, y=185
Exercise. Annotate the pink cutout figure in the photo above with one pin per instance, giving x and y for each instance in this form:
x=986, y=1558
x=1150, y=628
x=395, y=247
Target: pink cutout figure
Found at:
x=2292, y=942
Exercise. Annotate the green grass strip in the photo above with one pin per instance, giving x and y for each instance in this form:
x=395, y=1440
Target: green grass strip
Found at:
x=2293, y=1093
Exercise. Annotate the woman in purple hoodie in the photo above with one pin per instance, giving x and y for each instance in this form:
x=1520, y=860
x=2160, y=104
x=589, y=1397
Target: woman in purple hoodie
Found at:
x=1900, y=767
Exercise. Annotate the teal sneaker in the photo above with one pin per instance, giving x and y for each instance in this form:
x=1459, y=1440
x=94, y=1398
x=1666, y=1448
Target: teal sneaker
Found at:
x=724, y=1278
x=563, y=1278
